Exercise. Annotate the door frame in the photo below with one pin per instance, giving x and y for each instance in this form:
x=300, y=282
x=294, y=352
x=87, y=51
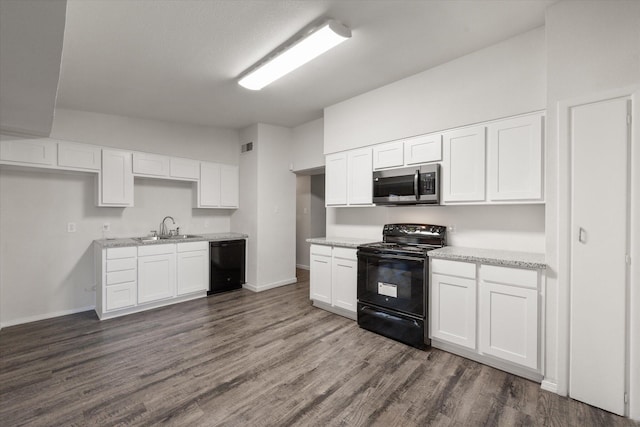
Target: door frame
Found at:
x=563, y=240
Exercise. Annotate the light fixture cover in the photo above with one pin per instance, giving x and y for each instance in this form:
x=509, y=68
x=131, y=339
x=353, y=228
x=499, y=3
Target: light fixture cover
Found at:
x=326, y=36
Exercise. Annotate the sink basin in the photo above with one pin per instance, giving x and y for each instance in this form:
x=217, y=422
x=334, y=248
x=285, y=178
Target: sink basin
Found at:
x=146, y=239
x=180, y=237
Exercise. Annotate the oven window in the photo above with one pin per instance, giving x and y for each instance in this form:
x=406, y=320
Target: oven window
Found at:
x=394, y=186
x=391, y=282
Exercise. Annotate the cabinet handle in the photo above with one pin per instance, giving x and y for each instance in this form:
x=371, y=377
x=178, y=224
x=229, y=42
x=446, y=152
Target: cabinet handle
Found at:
x=582, y=235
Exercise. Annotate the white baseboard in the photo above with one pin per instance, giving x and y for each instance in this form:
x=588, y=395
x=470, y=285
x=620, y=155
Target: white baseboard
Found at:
x=38, y=317
x=303, y=267
x=549, y=386
x=260, y=288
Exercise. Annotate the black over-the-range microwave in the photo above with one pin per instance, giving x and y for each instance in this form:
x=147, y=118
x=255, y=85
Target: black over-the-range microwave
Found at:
x=407, y=186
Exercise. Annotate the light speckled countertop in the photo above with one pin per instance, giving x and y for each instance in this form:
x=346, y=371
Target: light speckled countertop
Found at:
x=491, y=256
x=130, y=241
x=344, y=242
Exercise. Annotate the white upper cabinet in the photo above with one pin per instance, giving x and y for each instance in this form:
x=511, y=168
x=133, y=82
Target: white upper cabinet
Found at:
x=463, y=168
x=209, y=185
x=388, y=155
x=229, y=190
x=423, y=149
x=360, y=177
x=336, y=179
x=218, y=186
x=116, y=179
x=31, y=151
x=153, y=165
x=184, y=169
x=514, y=158
x=79, y=156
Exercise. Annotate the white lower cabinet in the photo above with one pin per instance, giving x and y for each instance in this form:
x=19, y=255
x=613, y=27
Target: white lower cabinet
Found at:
x=320, y=273
x=192, y=267
x=132, y=279
x=333, y=277
x=344, y=276
x=508, y=306
x=156, y=272
x=493, y=314
x=453, y=308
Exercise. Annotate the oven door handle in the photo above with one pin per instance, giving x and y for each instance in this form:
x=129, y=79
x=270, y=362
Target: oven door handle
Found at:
x=416, y=184
x=401, y=257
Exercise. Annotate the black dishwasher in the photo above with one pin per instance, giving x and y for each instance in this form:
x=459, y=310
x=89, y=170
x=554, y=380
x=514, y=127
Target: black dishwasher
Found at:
x=226, y=259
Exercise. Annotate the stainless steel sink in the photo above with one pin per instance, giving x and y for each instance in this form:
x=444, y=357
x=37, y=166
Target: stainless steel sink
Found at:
x=181, y=237
x=146, y=239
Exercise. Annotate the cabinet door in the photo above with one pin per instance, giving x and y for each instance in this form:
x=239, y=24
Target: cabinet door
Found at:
x=344, y=276
x=336, y=179
x=360, y=177
x=453, y=310
x=209, y=185
x=156, y=277
x=320, y=274
x=192, y=271
x=41, y=151
x=150, y=164
x=388, y=155
x=116, y=179
x=509, y=323
x=514, y=158
x=463, y=166
x=423, y=149
x=79, y=156
x=120, y=296
x=229, y=182
x=184, y=168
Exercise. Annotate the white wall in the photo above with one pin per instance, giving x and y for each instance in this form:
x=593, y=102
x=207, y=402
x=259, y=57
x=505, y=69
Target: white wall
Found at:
x=276, y=207
x=593, y=47
x=154, y=136
x=267, y=206
x=502, y=80
x=245, y=218
x=308, y=145
x=303, y=220
x=45, y=271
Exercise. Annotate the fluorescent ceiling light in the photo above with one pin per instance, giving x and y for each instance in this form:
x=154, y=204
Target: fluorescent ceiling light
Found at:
x=326, y=36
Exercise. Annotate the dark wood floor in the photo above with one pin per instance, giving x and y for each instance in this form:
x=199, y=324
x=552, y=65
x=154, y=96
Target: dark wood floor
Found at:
x=265, y=359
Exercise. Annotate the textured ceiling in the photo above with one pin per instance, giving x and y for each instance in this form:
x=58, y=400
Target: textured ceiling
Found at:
x=178, y=60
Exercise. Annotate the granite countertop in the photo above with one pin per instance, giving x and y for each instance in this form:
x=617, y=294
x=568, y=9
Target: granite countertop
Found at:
x=344, y=242
x=491, y=256
x=130, y=241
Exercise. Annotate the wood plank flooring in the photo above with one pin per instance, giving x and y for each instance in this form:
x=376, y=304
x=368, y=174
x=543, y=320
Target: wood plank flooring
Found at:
x=255, y=359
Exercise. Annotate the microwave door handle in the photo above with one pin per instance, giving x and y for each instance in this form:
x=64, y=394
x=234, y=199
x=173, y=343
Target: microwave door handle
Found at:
x=416, y=182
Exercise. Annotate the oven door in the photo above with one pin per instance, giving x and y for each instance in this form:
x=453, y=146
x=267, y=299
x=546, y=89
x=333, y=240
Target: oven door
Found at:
x=395, y=282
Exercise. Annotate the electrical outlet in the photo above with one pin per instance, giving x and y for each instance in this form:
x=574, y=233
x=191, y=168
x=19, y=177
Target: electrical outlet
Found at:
x=71, y=227
x=106, y=227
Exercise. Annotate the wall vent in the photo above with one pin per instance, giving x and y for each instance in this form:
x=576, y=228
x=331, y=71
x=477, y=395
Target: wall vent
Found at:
x=246, y=147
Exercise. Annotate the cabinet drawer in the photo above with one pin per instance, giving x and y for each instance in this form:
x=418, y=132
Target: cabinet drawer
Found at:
x=121, y=296
x=121, y=277
x=157, y=249
x=509, y=276
x=192, y=246
x=321, y=250
x=121, y=264
x=453, y=268
x=345, y=253
x=128, y=252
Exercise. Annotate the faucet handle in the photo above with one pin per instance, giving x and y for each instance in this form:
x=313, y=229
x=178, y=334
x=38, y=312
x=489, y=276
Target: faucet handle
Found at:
x=177, y=231
x=154, y=233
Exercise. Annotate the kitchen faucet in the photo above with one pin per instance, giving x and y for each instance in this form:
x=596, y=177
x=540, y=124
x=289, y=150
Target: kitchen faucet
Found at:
x=163, y=227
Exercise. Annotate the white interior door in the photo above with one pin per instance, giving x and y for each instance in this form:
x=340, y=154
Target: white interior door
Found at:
x=599, y=138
